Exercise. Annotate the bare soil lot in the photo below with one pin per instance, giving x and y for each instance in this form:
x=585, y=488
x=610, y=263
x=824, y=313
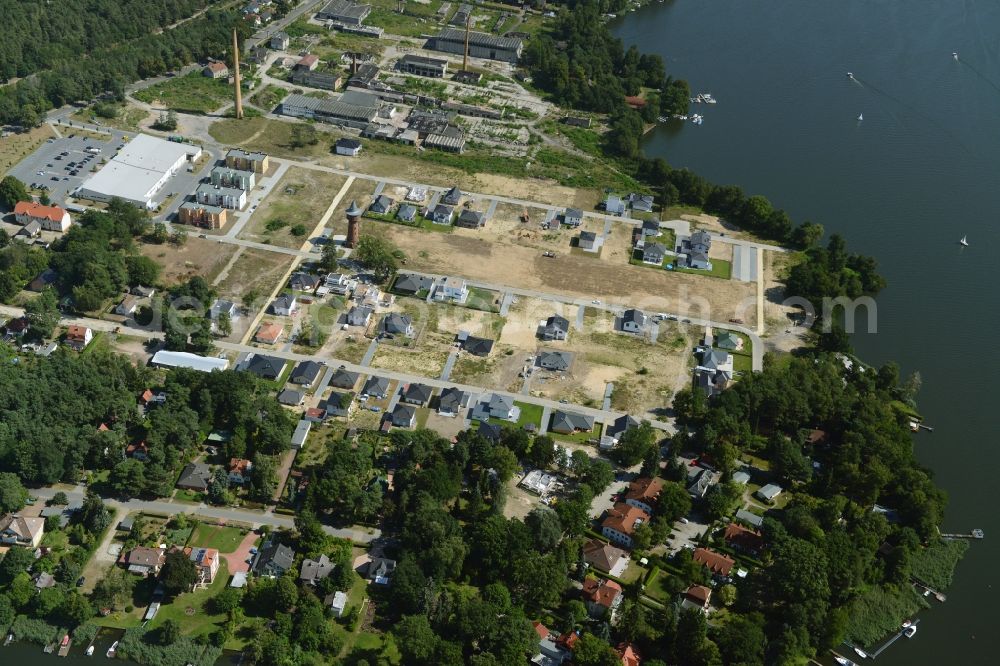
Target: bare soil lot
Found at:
x=255, y=270
x=424, y=362
x=301, y=198
x=360, y=191
x=196, y=257
x=572, y=275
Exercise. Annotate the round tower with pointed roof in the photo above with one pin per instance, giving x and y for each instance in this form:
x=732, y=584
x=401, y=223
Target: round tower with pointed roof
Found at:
x=353, y=225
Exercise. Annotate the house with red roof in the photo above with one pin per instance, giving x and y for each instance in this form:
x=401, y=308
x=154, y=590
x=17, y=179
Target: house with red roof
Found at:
x=49, y=218
x=78, y=337
x=138, y=450
x=239, y=470
x=629, y=654
x=602, y=597
x=697, y=597
x=620, y=522
x=743, y=539
x=717, y=563
x=216, y=70
x=644, y=494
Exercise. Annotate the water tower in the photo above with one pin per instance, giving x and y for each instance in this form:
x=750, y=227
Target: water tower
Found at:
x=353, y=225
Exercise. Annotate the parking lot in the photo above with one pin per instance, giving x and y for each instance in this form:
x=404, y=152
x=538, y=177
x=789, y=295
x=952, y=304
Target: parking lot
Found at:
x=53, y=164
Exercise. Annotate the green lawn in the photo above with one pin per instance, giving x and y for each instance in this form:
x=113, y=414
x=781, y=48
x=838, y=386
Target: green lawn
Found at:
x=720, y=269
x=193, y=93
x=224, y=539
x=657, y=587
x=178, y=537
x=579, y=437
x=196, y=621
x=529, y=414
x=482, y=299
x=188, y=496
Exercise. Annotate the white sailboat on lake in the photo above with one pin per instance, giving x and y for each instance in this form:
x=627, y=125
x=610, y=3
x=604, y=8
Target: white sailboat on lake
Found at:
x=964, y=242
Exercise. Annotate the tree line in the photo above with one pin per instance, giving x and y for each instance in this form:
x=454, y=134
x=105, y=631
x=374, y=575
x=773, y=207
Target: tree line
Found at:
x=121, y=55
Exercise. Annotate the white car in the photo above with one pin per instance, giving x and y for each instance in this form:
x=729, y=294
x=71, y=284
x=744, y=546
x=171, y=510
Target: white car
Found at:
x=596, y=302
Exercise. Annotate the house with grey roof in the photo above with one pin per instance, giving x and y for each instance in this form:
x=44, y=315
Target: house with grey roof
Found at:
x=716, y=359
x=396, y=324
x=412, y=285
x=614, y=205
x=477, y=346
x=572, y=217
x=264, y=366
x=406, y=213
x=769, y=492
x=380, y=570
x=220, y=307
x=291, y=397
x=313, y=571
x=555, y=327
x=344, y=378
x=358, y=315
x=301, y=281
x=338, y=404
x=633, y=321
x=417, y=394
x=751, y=519
x=452, y=196
x=651, y=228
x=305, y=373
x=589, y=241
x=557, y=361
x=284, y=305
x=654, y=253
x=452, y=401
x=641, y=203
x=301, y=433
x=381, y=205
x=741, y=478
x=470, y=219
x=490, y=431
x=695, y=250
x=699, y=482
x=441, y=214
x=376, y=387
x=567, y=423
x=403, y=416
x=273, y=559
x=621, y=425
x=497, y=407
x=195, y=476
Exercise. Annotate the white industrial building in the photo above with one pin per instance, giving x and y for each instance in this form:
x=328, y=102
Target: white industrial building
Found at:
x=138, y=171
x=175, y=359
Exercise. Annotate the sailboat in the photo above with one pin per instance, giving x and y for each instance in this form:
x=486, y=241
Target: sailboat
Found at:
x=964, y=242
x=850, y=75
x=861, y=117
x=954, y=54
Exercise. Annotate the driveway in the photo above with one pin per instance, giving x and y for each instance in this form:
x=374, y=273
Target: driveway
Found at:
x=237, y=560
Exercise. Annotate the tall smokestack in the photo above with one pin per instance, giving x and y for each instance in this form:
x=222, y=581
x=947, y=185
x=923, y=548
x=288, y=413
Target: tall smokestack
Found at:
x=465, y=58
x=238, y=109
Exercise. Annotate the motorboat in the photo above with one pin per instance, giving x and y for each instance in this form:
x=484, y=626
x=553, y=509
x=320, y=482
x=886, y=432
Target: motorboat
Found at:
x=90, y=651
x=861, y=653
x=707, y=97
x=844, y=661
x=112, y=651
x=910, y=631
x=964, y=242
x=954, y=54
x=850, y=75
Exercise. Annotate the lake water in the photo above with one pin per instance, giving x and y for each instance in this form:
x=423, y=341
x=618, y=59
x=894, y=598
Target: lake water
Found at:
x=918, y=173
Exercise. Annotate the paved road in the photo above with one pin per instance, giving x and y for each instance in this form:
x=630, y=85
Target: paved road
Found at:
x=448, y=365
x=276, y=26
x=745, y=263
x=169, y=507
x=366, y=360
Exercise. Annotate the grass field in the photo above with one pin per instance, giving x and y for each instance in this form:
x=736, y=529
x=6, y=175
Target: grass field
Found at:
x=192, y=93
x=269, y=97
x=16, y=147
x=300, y=198
x=128, y=117
x=529, y=414
x=255, y=270
x=720, y=269
x=222, y=538
x=188, y=609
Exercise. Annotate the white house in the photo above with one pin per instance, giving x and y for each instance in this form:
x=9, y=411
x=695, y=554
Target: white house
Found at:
x=338, y=603
x=50, y=218
x=284, y=305
x=451, y=289
x=348, y=147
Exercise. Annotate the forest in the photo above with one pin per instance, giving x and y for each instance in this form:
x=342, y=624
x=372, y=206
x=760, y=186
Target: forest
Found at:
x=121, y=40
x=39, y=35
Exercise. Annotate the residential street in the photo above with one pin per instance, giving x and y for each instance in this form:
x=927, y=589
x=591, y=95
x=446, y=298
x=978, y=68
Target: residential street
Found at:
x=170, y=507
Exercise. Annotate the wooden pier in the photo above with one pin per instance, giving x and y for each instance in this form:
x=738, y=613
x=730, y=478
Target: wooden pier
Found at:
x=64, y=648
x=882, y=648
x=973, y=534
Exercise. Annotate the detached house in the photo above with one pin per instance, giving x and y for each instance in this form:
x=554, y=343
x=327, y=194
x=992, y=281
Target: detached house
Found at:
x=654, y=253
x=451, y=289
x=572, y=217
x=239, y=470
x=602, y=597
x=442, y=214
x=620, y=522
x=567, y=423
x=554, y=328
x=498, y=407
x=605, y=557
x=633, y=321
x=284, y=305
x=451, y=401
x=273, y=559
x=696, y=249
x=313, y=571
x=305, y=373
x=397, y=324
x=206, y=562
x=555, y=361
x=143, y=561
x=358, y=316
x=744, y=540
x=78, y=337
x=644, y=494
x=717, y=563
x=216, y=70
x=195, y=476
x=18, y=530
x=470, y=219
x=269, y=333
x=376, y=387
x=417, y=394
x=452, y=196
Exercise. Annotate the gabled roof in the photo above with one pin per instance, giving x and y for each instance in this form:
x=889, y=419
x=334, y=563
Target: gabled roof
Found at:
x=418, y=393
x=316, y=570
x=634, y=316
x=715, y=562
x=290, y=397
x=39, y=211
x=195, y=475
x=403, y=415
x=451, y=399
x=275, y=556
x=376, y=386
x=557, y=322
x=478, y=346
x=646, y=490
x=344, y=378
x=570, y=422
x=269, y=332
x=601, y=555
x=601, y=592
x=358, y=315
x=741, y=537
x=624, y=518
x=396, y=323
x=555, y=360
x=265, y=366
x=306, y=372
x=452, y=196
x=491, y=431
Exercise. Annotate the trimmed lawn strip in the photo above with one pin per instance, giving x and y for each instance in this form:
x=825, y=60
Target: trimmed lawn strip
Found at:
x=720, y=269
x=222, y=538
x=198, y=622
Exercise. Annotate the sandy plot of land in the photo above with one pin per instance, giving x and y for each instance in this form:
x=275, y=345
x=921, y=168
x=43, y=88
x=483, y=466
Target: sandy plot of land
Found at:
x=423, y=362
x=301, y=197
x=445, y=426
x=254, y=271
x=617, y=248
x=574, y=276
x=196, y=257
x=450, y=319
x=524, y=317
x=351, y=348
x=519, y=501
x=499, y=371
x=721, y=251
